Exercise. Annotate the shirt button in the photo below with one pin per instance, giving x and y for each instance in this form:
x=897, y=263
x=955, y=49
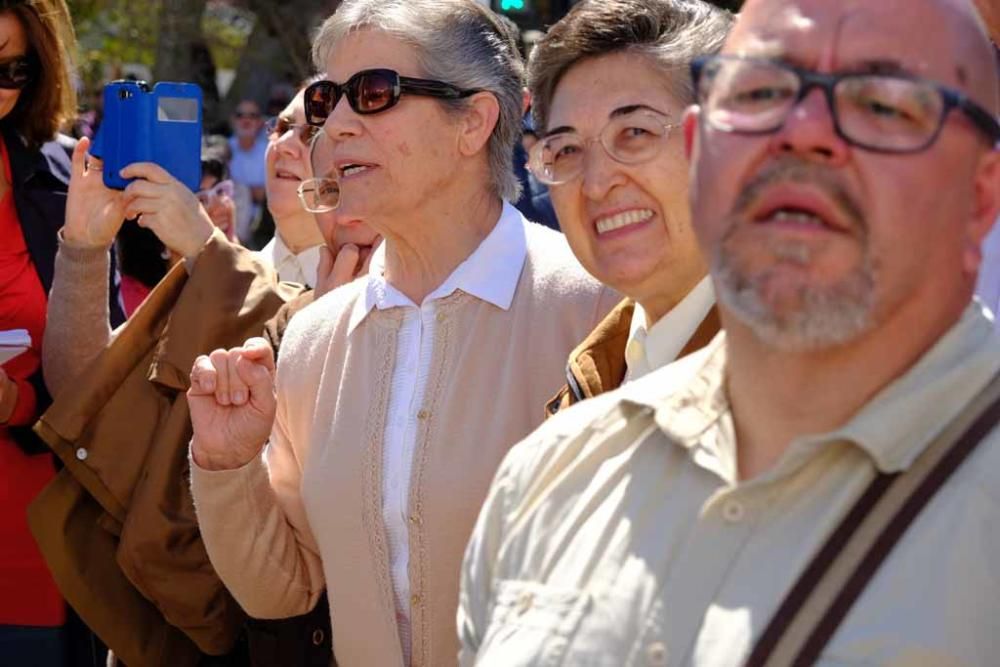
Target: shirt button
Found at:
x=423, y=415
x=524, y=603
x=733, y=511
x=81, y=454
x=656, y=654
x=441, y=317
x=414, y=519
x=414, y=599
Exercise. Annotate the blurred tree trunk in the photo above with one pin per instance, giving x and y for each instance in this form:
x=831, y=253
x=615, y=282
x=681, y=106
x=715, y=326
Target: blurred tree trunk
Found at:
x=181, y=52
x=278, y=50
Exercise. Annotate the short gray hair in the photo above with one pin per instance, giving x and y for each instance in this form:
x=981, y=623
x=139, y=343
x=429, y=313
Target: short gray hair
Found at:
x=670, y=33
x=459, y=42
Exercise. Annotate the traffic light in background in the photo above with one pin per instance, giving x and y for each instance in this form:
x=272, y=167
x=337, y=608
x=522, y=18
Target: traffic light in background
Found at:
x=512, y=6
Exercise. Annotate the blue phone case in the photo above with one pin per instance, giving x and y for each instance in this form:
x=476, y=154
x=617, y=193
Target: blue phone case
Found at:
x=161, y=125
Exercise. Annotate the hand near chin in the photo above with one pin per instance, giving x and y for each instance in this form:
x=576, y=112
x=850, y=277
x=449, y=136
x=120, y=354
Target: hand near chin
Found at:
x=232, y=403
x=94, y=212
x=351, y=262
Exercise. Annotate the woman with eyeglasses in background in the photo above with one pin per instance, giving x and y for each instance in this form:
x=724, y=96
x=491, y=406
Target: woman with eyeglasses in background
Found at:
x=397, y=394
x=298, y=246
x=37, y=45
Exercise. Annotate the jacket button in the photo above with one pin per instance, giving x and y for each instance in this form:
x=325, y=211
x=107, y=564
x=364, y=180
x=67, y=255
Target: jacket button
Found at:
x=318, y=637
x=81, y=454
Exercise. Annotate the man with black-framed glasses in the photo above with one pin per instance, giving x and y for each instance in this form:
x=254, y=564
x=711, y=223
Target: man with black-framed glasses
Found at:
x=818, y=485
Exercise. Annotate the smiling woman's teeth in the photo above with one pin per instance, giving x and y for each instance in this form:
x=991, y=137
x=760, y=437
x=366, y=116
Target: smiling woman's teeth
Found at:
x=622, y=220
x=354, y=170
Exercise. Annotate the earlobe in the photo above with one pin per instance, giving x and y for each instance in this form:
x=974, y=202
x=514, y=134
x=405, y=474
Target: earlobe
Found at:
x=985, y=212
x=479, y=122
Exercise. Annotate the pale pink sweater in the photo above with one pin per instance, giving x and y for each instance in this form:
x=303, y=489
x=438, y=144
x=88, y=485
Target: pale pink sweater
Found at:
x=308, y=514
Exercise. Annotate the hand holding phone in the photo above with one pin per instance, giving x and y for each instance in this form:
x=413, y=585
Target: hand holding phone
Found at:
x=161, y=125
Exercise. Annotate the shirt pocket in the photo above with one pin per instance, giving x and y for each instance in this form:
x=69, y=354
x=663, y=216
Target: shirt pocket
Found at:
x=532, y=624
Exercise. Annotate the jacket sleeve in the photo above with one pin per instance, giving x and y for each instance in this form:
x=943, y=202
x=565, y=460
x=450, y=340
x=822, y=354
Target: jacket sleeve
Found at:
x=254, y=526
x=76, y=324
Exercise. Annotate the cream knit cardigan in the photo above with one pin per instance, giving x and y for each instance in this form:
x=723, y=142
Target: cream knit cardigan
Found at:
x=307, y=514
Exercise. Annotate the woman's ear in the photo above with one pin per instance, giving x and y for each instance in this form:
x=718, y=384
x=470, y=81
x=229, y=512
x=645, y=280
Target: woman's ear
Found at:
x=477, y=124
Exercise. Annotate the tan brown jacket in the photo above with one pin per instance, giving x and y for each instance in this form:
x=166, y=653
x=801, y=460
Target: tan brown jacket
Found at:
x=597, y=364
x=117, y=525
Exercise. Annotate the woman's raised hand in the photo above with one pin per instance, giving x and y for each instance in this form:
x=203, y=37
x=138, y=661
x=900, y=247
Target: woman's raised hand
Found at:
x=94, y=213
x=232, y=402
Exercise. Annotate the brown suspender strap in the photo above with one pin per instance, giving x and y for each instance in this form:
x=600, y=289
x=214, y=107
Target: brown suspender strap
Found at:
x=827, y=589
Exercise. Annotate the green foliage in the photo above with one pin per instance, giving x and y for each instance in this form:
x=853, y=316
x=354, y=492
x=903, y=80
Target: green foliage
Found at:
x=112, y=33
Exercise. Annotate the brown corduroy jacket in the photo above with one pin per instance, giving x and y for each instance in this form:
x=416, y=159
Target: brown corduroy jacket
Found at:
x=117, y=526
x=597, y=364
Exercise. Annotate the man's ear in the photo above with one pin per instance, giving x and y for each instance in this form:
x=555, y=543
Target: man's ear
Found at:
x=477, y=125
x=985, y=210
x=689, y=123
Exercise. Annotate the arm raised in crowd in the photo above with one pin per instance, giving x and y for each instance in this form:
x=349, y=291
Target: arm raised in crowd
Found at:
x=77, y=319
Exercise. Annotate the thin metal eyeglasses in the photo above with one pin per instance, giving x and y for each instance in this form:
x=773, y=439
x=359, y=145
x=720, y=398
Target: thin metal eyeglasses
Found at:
x=319, y=195
x=371, y=91
x=630, y=138
x=886, y=113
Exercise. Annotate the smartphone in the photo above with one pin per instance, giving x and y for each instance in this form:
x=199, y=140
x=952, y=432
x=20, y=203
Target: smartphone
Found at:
x=161, y=124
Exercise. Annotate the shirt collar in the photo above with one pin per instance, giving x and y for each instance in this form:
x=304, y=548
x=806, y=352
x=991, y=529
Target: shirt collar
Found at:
x=299, y=268
x=490, y=273
x=649, y=348
x=690, y=405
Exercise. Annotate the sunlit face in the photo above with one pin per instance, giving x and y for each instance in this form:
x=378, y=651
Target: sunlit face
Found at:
x=813, y=242
x=394, y=162
x=628, y=224
x=13, y=44
x=287, y=165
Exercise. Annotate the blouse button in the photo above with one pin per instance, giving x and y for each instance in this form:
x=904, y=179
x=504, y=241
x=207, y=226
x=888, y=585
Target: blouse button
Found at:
x=81, y=454
x=656, y=654
x=733, y=511
x=318, y=637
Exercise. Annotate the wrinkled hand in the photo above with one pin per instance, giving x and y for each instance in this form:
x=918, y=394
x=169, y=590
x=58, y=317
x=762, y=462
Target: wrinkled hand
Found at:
x=164, y=205
x=232, y=402
x=94, y=213
x=332, y=272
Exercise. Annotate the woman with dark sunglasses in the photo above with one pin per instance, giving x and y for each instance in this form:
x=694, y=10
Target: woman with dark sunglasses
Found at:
x=398, y=394
x=36, y=98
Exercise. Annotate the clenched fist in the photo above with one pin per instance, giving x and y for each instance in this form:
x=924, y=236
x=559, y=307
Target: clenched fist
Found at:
x=232, y=402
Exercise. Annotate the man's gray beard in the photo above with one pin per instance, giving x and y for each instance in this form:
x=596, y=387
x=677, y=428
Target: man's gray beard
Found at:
x=828, y=316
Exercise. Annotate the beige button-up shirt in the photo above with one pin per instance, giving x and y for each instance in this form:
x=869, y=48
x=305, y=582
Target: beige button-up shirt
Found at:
x=618, y=533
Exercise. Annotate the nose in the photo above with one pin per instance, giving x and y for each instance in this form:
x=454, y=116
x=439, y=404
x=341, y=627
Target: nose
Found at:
x=289, y=144
x=601, y=173
x=810, y=131
x=342, y=122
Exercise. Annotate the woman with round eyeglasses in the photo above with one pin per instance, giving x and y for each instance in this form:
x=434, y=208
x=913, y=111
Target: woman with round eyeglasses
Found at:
x=397, y=395
x=609, y=87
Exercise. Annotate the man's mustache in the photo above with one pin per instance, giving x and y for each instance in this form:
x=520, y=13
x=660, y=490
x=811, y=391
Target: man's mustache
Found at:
x=796, y=171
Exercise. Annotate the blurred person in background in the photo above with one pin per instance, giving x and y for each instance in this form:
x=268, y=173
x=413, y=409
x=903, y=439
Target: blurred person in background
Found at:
x=247, y=147
x=36, y=97
x=399, y=393
x=609, y=85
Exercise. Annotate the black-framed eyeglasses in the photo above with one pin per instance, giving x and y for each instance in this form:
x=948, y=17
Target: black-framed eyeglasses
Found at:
x=373, y=90
x=630, y=138
x=278, y=126
x=887, y=113
x=17, y=72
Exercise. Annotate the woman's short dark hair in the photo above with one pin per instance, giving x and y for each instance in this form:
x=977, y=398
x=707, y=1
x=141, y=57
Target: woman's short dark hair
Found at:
x=49, y=100
x=670, y=33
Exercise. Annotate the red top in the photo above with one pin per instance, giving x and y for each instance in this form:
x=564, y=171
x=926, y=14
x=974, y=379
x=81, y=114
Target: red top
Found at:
x=28, y=596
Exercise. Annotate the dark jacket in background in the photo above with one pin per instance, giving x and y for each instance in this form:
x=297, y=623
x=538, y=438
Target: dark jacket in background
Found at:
x=598, y=364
